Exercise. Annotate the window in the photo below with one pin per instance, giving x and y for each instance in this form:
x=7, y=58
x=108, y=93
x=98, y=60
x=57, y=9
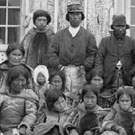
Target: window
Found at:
x=132, y=25
x=10, y=21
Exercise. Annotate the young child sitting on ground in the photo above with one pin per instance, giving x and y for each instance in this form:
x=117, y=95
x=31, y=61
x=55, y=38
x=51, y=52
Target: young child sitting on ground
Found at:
x=88, y=115
x=41, y=76
x=121, y=118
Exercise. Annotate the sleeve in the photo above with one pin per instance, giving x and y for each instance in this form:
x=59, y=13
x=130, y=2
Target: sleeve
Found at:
x=132, y=72
x=26, y=42
x=90, y=52
x=1, y=101
x=100, y=56
x=30, y=117
x=108, y=121
x=53, y=51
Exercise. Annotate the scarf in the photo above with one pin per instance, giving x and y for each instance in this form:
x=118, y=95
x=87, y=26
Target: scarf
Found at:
x=38, y=50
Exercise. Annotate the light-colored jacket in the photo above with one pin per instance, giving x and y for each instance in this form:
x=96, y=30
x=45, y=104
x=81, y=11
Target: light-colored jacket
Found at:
x=18, y=110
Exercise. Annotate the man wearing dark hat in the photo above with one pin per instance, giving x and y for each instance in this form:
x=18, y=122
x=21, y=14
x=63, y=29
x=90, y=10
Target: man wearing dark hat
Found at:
x=116, y=53
x=73, y=49
x=37, y=40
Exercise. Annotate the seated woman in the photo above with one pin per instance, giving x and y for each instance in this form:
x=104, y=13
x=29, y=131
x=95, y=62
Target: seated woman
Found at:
x=57, y=114
x=15, y=53
x=18, y=104
x=121, y=119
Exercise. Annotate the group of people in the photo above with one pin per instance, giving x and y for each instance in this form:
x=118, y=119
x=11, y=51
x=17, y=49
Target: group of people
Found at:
x=63, y=84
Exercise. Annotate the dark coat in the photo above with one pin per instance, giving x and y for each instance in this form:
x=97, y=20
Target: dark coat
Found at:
x=68, y=50
x=110, y=52
x=30, y=55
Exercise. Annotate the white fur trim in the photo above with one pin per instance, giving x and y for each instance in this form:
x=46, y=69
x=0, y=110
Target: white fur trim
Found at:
x=43, y=69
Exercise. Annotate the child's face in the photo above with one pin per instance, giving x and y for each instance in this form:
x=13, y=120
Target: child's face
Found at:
x=125, y=102
x=41, y=79
x=18, y=84
x=60, y=104
x=57, y=82
x=97, y=81
x=133, y=81
x=90, y=100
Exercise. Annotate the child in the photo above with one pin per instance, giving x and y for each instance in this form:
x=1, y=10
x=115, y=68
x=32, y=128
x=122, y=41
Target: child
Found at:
x=56, y=114
x=97, y=79
x=106, y=96
x=57, y=80
x=41, y=76
x=18, y=105
x=89, y=113
x=122, y=115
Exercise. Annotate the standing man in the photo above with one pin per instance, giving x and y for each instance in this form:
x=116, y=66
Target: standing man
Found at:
x=116, y=52
x=73, y=50
x=37, y=40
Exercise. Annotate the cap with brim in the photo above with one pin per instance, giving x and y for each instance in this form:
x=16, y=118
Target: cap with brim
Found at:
x=119, y=20
x=74, y=8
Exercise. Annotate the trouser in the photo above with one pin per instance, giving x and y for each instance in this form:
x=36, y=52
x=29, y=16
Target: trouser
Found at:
x=75, y=78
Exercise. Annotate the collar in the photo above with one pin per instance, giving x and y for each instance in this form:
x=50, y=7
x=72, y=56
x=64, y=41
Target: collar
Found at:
x=119, y=41
x=72, y=28
x=73, y=31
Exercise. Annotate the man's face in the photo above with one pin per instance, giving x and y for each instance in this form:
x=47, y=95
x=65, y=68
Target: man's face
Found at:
x=75, y=19
x=119, y=31
x=41, y=23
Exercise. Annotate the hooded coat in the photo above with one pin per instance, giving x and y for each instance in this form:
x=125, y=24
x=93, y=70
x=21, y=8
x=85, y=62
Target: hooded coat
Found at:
x=18, y=110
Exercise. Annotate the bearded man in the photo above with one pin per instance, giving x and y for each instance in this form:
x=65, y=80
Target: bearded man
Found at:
x=115, y=51
x=37, y=40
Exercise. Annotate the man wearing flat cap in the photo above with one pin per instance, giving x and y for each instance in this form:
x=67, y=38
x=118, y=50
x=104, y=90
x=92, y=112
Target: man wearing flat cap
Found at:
x=73, y=49
x=116, y=52
x=37, y=40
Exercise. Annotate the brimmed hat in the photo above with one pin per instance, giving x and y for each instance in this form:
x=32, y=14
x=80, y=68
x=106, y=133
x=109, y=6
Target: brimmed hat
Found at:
x=74, y=7
x=119, y=20
x=41, y=13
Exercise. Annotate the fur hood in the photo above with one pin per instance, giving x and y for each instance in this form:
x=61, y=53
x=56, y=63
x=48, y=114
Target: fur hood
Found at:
x=43, y=69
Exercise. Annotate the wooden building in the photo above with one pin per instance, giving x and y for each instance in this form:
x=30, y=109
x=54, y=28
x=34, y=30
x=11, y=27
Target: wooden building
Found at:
x=16, y=17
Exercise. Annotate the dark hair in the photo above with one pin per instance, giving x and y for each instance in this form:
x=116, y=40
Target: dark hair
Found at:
x=59, y=73
x=15, y=72
x=88, y=122
x=15, y=46
x=67, y=16
x=52, y=96
x=39, y=13
x=129, y=90
x=88, y=89
x=95, y=72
